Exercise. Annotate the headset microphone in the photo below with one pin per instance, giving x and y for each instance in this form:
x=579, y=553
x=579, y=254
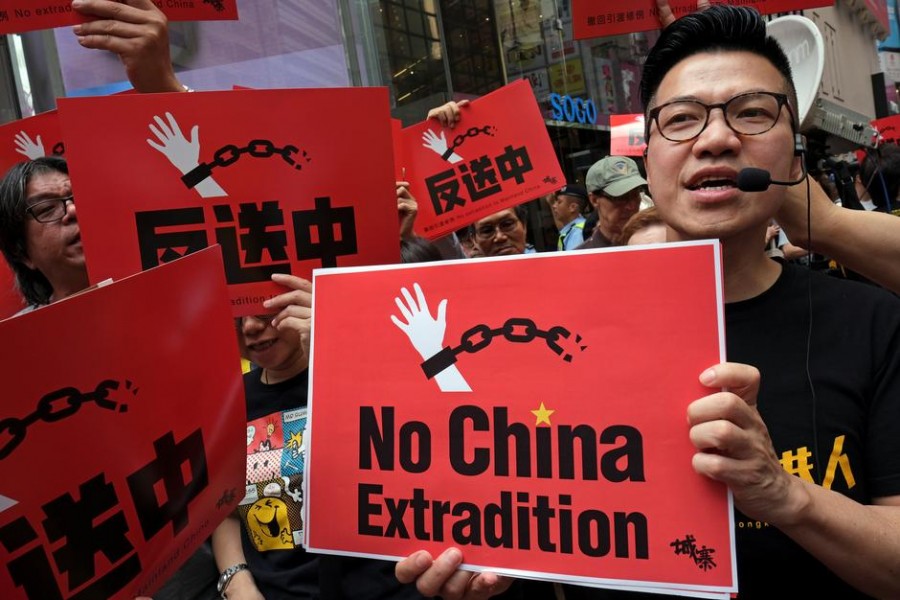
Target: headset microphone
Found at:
x=751, y=179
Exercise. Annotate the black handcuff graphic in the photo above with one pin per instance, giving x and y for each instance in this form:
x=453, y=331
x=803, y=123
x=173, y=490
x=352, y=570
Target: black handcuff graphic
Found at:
x=448, y=356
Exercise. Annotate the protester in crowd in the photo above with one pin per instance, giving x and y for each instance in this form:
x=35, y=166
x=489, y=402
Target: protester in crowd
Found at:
x=644, y=227
x=259, y=545
x=567, y=204
x=502, y=233
x=719, y=97
x=878, y=180
x=615, y=187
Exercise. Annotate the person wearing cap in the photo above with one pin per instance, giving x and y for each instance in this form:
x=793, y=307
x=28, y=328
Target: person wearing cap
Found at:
x=614, y=187
x=567, y=205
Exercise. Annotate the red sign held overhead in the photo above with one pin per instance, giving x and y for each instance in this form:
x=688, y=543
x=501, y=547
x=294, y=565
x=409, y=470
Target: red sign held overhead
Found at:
x=17, y=16
x=498, y=155
x=298, y=186
x=479, y=421
x=591, y=18
x=122, y=425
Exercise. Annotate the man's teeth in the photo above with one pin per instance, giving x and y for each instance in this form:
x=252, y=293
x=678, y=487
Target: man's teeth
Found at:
x=714, y=184
x=263, y=345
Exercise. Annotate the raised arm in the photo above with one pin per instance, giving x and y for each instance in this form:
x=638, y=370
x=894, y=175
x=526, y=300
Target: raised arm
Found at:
x=863, y=241
x=138, y=32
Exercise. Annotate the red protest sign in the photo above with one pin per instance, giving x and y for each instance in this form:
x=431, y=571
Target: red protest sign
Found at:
x=17, y=16
x=544, y=460
x=498, y=155
x=120, y=449
x=11, y=301
x=300, y=185
x=29, y=139
x=591, y=18
x=888, y=128
x=626, y=135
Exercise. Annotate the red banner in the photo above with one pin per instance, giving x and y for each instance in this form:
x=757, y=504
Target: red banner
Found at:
x=524, y=437
x=120, y=434
x=498, y=155
x=599, y=18
x=17, y=16
x=626, y=135
x=29, y=139
x=307, y=182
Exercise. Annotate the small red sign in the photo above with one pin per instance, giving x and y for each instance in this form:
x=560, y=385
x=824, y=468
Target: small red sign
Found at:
x=498, y=155
x=626, y=137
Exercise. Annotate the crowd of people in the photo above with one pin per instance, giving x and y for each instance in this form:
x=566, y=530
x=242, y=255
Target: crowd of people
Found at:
x=814, y=361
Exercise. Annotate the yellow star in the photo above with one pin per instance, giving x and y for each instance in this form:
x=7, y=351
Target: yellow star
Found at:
x=542, y=414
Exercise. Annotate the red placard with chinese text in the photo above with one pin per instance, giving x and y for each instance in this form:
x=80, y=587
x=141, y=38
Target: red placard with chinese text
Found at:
x=526, y=441
x=599, y=18
x=121, y=433
x=626, y=135
x=498, y=155
x=30, y=138
x=297, y=186
x=17, y=16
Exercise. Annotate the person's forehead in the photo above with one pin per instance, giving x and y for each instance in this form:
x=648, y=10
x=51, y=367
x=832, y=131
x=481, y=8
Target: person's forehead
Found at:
x=496, y=217
x=717, y=76
x=50, y=184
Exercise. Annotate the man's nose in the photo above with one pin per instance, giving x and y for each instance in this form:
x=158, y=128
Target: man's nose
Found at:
x=717, y=137
x=70, y=211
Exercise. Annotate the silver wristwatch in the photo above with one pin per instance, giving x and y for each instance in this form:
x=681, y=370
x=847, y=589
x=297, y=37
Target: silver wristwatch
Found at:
x=226, y=576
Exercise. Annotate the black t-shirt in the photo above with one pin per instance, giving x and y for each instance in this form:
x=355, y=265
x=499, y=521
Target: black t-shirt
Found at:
x=270, y=514
x=852, y=418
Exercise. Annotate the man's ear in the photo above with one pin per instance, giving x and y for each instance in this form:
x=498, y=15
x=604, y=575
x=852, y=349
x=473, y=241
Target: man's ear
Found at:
x=593, y=199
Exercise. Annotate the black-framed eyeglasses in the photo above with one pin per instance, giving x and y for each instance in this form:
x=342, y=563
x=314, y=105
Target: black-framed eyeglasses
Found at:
x=487, y=231
x=50, y=211
x=752, y=113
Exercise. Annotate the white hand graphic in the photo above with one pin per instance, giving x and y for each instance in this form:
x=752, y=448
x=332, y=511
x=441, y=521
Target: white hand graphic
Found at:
x=184, y=154
x=31, y=149
x=427, y=334
x=438, y=143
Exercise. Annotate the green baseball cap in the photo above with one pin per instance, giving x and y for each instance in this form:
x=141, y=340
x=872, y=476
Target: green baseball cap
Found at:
x=614, y=176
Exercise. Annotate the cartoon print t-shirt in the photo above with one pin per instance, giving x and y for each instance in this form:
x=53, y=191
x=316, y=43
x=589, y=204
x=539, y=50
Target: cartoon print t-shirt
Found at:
x=271, y=508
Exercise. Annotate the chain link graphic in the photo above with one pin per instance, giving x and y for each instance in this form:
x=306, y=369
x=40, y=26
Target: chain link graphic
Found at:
x=230, y=154
x=470, y=133
x=518, y=330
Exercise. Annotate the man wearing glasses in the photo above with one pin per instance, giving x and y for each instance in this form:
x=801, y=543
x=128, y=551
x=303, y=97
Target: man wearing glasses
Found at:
x=614, y=187
x=803, y=425
x=40, y=236
x=503, y=233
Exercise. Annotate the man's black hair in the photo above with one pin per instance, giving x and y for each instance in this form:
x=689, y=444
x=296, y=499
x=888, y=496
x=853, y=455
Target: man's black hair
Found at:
x=31, y=283
x=416, y=250
x=718, y=28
